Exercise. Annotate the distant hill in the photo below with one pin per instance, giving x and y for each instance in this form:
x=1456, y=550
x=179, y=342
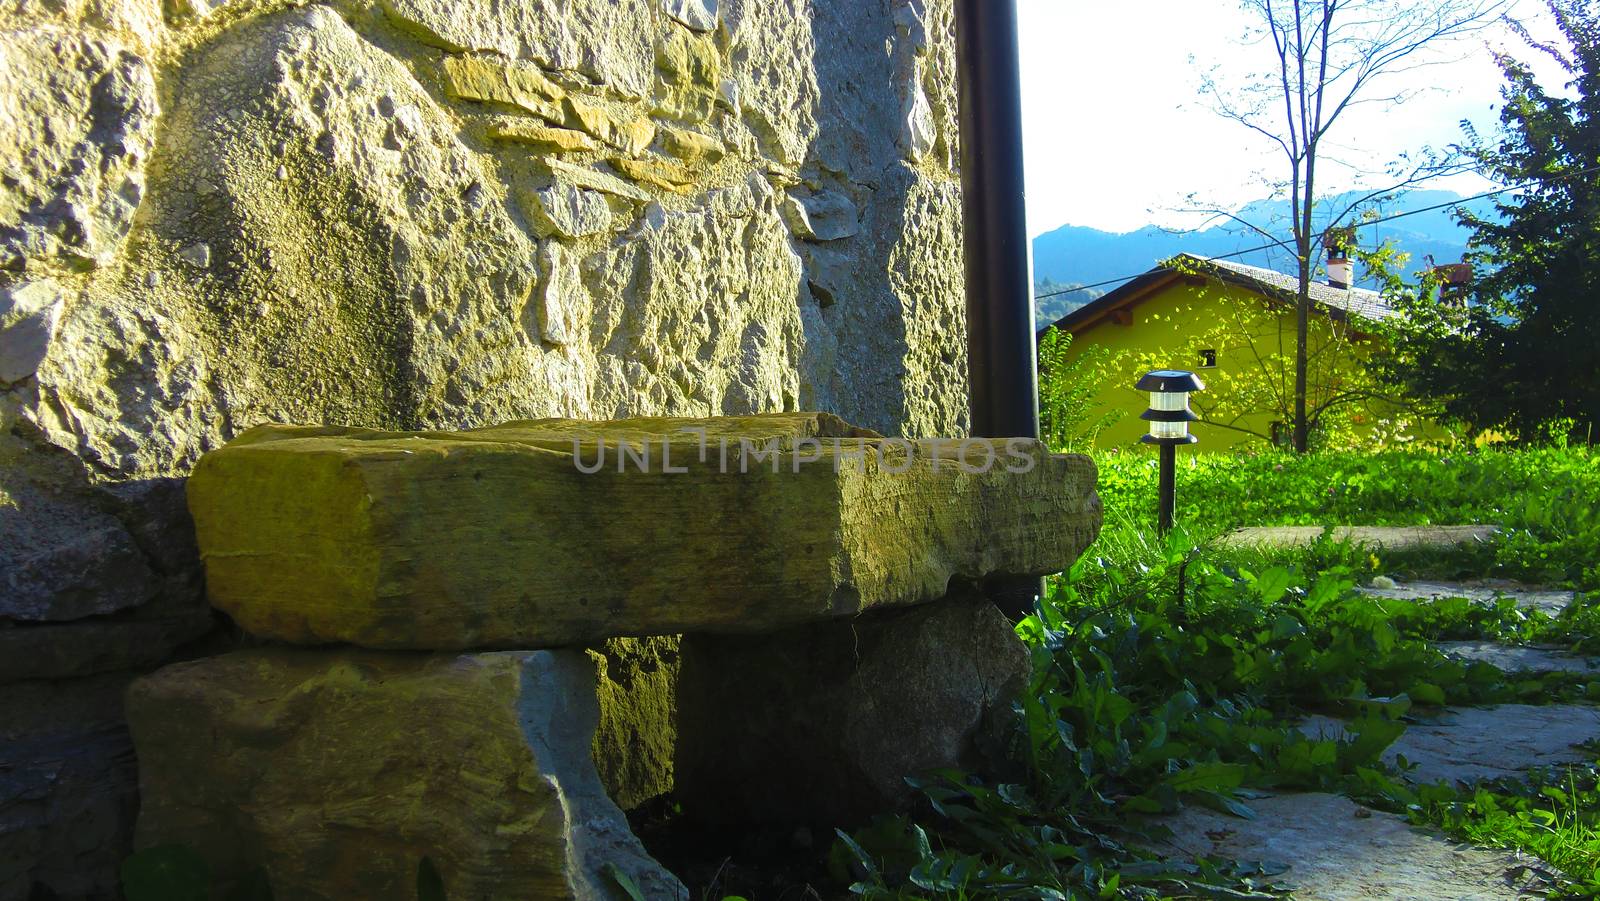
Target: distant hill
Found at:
x=1052, y=300
x=1078, y=255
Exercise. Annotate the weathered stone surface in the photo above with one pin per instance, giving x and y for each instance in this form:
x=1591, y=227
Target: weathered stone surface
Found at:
x=91, y=580
x=136, y=639
x=688, y=74
x=491, y=80
x=330, y=238
x=1515, y=658
x=327, y=235
x=691, y=287
x=825, y=216
x=692, y=147
x=606, y=41
x=67, y=788
x=595, y=180
x=1338, y=851
x=29, y=314
x=917, y=135
x=563, y=209
x=63, y=555
x=632, y=135
x=637, y=739
x=668, y=175
x=1529, y=597
x=1474, y=743
x=77, y=125
x=137, y=22
x=1394, y=538
x=560, y=307
x=313, y=535
x=560, y=140
x=696, y=15
x=822, y=724
x=338, y=771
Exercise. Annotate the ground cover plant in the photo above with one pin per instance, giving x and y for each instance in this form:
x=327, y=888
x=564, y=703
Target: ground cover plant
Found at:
x=1172, y=672
x=1546, y=500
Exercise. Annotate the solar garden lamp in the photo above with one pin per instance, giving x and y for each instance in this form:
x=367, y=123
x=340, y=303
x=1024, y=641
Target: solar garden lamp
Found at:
x=1169, y=417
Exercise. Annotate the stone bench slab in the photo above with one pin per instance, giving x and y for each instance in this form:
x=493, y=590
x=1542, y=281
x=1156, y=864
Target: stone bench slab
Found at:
x=501, y=537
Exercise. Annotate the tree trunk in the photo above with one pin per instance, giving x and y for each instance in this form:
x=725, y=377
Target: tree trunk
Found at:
x=1302, y=437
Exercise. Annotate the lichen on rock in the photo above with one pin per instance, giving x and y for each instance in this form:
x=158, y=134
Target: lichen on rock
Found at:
x=77, y=127
x=338, y=771
x=418, y=213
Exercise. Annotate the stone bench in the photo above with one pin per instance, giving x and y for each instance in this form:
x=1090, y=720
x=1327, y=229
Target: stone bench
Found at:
x=829, y=595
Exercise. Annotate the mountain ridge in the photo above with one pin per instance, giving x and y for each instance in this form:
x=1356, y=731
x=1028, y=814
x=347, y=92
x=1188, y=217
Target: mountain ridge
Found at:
x=1076, y=255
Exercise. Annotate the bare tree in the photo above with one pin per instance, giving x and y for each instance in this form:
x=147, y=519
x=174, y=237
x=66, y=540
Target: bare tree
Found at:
x=1328, y=57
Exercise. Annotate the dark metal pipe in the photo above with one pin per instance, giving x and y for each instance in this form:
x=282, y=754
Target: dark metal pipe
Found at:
x=1003, y=382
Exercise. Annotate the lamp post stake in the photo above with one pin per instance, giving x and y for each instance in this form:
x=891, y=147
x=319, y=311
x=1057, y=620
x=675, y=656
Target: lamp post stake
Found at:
x=1168, y=488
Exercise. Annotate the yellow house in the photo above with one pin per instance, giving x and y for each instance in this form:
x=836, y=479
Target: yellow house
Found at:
x=1234, y=325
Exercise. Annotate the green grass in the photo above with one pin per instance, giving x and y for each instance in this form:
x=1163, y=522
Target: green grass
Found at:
x=1170, y=673
x=1546, y=500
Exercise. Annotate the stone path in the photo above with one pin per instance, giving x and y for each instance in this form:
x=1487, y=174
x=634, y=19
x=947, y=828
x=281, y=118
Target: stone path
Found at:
x=1514, y=658
x=1335, y=850
x=1549, y=601
x=1393, y=538
x=1473, y=743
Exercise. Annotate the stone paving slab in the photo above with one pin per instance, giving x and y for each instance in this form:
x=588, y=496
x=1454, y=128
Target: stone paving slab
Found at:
x=1515, y=658
x=1474, y=743
x=1530, y=597
x=1393, y=538
x=1336, y=850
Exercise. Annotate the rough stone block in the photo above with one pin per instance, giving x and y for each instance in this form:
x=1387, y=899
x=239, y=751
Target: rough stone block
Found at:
x=563, y=209
x=156, y=519
x=477, y=78
x=63, y=555
x=669, y=175
x=594, y=180
x=498, y=537
x=630, y=134
x=821, y=724
x=68, y=788
x=690, y=146
x=636, y=743
x=338, y=771
x=80, y=120
x=560, y=140
x=29, y=315
x=688, y=75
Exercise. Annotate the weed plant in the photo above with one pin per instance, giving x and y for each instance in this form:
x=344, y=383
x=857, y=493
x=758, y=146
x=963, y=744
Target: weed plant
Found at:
x=1174, y=672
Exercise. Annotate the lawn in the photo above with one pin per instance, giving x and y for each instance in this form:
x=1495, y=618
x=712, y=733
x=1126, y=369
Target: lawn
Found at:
x=1170, y=672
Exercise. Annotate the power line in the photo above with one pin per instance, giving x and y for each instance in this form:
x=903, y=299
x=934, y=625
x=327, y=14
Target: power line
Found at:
x=1380, y=220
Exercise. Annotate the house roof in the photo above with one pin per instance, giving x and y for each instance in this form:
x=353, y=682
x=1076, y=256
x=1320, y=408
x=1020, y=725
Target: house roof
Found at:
x=1335, y=302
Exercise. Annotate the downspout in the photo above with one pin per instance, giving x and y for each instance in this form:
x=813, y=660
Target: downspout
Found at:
x=1001, y=372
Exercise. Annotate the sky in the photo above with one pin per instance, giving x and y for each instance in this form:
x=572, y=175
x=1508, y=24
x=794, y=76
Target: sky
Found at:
x=1116, y=135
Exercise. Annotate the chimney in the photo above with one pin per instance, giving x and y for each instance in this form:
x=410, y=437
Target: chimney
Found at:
x=1338, y=241
x=1455, y=280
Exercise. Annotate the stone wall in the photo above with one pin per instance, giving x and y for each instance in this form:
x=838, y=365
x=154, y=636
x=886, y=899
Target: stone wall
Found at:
x=416, y=213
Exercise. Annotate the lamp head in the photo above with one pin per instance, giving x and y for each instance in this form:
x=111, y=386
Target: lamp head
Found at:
x=1169, y=414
